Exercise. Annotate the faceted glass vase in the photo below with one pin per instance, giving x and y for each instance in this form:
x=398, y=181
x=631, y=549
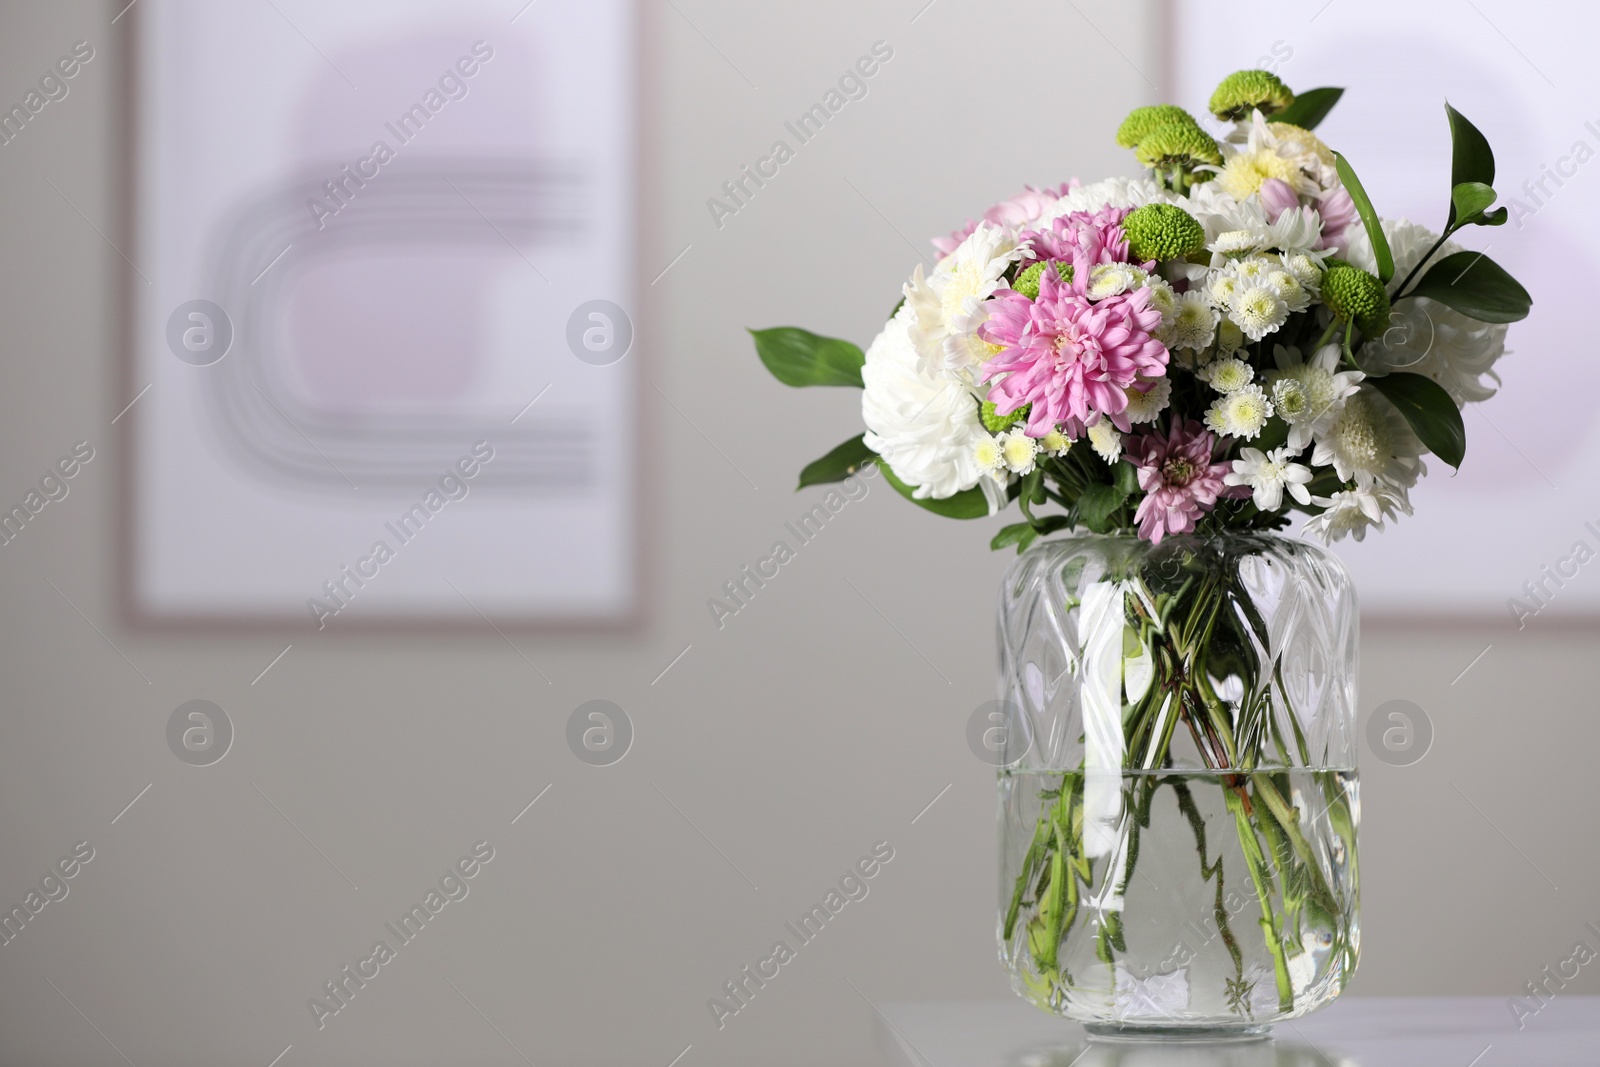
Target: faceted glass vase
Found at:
x=1177, y=783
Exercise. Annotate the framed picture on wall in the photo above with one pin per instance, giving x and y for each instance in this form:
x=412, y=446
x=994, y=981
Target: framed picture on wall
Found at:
x=381, y=349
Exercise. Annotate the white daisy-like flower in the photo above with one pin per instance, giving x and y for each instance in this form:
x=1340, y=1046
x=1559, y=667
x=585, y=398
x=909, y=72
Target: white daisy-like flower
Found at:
x=1424, y=336
x=1145, y=406
x=1241, y=413
x=1194, y=323
x=1352, y=511
x=949, y=305
x=1236, y=242
x=1236, y=226
x=1266, y=153
x=1289, y=290
x=1019, y=451
x=925, y=426
x=1229, y=375
x=1309, y=394
x=1105, y=440
x=1223, y=289
x=988, y=454
x=1258, y=311
x=1370, y=442
x=1055, y=443
x=1162, y=298
x=1306, y=269
x=1113, y=279
x=1268, y=474
x=1252, y=270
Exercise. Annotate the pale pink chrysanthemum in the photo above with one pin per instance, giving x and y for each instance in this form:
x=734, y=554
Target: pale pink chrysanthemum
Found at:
x=1097, y=235
x=1027, y=206
x=1071, y=358
x=1179, y=480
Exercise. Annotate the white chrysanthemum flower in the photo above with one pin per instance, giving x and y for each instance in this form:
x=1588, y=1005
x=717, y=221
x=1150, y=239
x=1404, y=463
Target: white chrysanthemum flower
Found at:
x=1229, y=375
x=1425, y=337
x=1268, y=474
x=988, y=454
x=1112, y=192
x=1223, y=289
x=1307, y=270
x=1194, y=323
x=1351, y=511
x=1251, y=270
x=1113, y=279
x=1236, y=242
x=924, y=426
x=1239, y=414
x=1266, y=153
x=1105, y=440
x=1145, y=406
x=949, y=304
x=1370, y=442
x=1258, y=311
x=1055, y=443
x=1162, y=298
x=1234, y=226
x=1309, y=394
x=1019, y=451
x=1289, y=290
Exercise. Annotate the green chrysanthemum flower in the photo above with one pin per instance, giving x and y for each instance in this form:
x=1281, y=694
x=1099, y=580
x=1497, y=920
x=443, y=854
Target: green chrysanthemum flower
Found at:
x=1141, y=120
x=1000, y=423
x=1352, y=293
x=1247, y=90
x=1177, y=144
x=1162, y=231
x=1027, y=282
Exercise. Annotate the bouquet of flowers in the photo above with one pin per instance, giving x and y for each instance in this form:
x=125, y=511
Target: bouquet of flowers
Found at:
x=1224, y=328
x=1190, y=354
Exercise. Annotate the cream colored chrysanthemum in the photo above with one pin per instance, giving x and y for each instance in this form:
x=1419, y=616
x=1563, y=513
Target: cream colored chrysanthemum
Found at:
x=1145, y=406
x=1055, y=443
x=988, y=455
x=1112, y=279
x=1257, y=311
x=1018, y=451
x=1240, y=414
x=1193, y=325
x=1230, y=375
x=1105, y=440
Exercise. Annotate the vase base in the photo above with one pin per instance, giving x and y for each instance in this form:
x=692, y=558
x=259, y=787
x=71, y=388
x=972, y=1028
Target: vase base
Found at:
x=1177, y=1033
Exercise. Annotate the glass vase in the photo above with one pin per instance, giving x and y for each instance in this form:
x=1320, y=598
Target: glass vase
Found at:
x=1178, y=800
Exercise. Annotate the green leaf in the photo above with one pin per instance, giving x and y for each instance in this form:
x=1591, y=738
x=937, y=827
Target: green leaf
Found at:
x=1125, y=476
x=800, y=357
x=1430, y=411
x=1476, y=286
x=967, y=504
x=1471, y=158
x=1468, y=200
x=1309, y=107
x=1497, y=217
x=839, y=464
x=1020, y=534
x=1369, y=218
x=1096, y=503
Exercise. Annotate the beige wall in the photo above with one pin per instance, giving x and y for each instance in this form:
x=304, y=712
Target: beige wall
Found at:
x=821, y=719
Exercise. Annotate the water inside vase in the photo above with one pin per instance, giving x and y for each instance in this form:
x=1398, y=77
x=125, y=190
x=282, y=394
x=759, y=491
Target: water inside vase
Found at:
x=1179, y=900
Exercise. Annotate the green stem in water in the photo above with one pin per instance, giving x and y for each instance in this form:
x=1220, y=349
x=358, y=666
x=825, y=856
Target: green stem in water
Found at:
x=1238, y=804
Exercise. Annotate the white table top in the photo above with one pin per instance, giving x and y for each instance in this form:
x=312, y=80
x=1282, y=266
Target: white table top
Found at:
x=1354, y=1032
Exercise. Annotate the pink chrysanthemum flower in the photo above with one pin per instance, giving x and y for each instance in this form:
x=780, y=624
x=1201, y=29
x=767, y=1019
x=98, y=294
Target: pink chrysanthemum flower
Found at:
x=1071, y=358
x=1095, y=234
x=1179, y=480
x=1027, y=206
